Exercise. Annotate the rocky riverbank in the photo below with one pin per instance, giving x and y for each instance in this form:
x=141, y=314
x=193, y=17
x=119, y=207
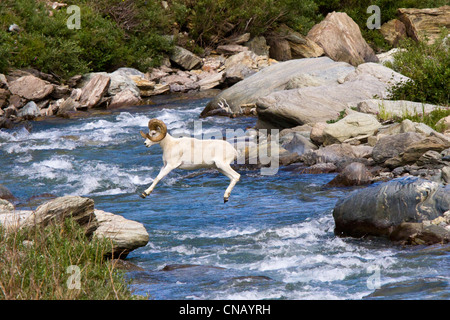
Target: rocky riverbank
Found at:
x=328, y=95
x=125, y=235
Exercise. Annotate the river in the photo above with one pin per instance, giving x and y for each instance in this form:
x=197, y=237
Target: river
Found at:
x=273, y=240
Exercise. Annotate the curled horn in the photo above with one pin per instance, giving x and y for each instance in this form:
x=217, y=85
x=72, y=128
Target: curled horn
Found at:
x=157, y=125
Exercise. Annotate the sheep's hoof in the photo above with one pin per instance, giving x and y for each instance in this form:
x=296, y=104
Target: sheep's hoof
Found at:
x=225, y=200
x=143, y=195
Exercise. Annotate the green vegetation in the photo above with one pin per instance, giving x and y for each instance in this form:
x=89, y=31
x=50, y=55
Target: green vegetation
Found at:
x=431, y=119
x=102, y=44
x=357, y=10
x=139, y=33
x=428, y=66
x=36, y=265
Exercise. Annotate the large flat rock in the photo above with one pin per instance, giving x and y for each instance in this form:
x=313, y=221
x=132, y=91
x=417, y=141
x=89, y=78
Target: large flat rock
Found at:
x=276, y=77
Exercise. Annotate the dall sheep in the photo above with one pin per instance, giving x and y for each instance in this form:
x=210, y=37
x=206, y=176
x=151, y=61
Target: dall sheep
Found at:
x=190, y=154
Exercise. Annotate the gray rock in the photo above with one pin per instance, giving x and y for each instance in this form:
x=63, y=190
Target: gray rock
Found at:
x=354, y=174
x=125, y=98
x=6, y=206
x=258, y=45
x=390, y=146
x=308, y=105
x=57, y=210
x=126, y=235
x=275, y=77
x=446, y=174
x=29, y=111
x=94, y=90
x=185, y=59
x=389, y=109
x=339, y=154
x=121, y=80
x=30, y=88
x=353, y=125
x=296, y=142
x=341, y=39
x=378, y=210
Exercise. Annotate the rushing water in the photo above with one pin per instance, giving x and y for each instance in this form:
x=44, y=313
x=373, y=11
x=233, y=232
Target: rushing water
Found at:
x=273, y=240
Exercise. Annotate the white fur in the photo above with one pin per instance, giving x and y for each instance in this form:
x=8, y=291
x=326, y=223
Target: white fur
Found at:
x=191, y=154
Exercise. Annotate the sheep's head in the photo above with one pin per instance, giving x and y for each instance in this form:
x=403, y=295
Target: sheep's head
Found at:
x=157, y=132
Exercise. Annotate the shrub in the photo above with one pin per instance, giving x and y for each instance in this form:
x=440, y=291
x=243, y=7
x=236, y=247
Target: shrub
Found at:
x=428, y=66
x=102, y=43
x=210, y=21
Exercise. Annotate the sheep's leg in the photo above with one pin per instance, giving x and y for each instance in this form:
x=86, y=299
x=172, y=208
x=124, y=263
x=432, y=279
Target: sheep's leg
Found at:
x=232, y=175
x=164, y=172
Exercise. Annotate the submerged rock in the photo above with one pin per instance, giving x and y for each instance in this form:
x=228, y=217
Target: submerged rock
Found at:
x=380, y=210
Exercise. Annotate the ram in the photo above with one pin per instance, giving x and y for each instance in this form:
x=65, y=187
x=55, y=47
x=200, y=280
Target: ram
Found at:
x=190, y=154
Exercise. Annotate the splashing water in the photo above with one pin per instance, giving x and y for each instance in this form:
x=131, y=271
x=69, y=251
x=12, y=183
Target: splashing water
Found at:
x=274, y=239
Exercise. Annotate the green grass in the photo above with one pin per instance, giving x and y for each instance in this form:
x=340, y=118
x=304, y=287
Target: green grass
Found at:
x=36, y=264
x=431, y=119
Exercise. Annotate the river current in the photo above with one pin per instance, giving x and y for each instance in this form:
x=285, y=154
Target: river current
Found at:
x=274, y=239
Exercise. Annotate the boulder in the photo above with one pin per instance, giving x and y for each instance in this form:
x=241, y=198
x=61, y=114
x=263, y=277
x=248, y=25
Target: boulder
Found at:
x=296, y=142
x=231, y=49
x=6, y=194
x=126, y=235
x=380, y=209
x=122, y=80
x=57, y=210
x=185, y=59
x=94, y=90
x=389, y=109
x=393, y=31
x=125, y=98
x=6, y=206
x=353, y=125
x=354, y=174
x=415, y=150
x=60, y=91
x=211, y=80
x=308, y=105
x=286, y=44
x=425, y=24
x=4, y=95
x=275, y=78
x=239, y=39
x=341, y=39
x=242, y=65
x=279, y=48
x=316, y=134
x=338, y=154
x=388, y=56
x=392, y=145
x=29, y=111
x=67, y=106
x=258, y=45
x=30, y=88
